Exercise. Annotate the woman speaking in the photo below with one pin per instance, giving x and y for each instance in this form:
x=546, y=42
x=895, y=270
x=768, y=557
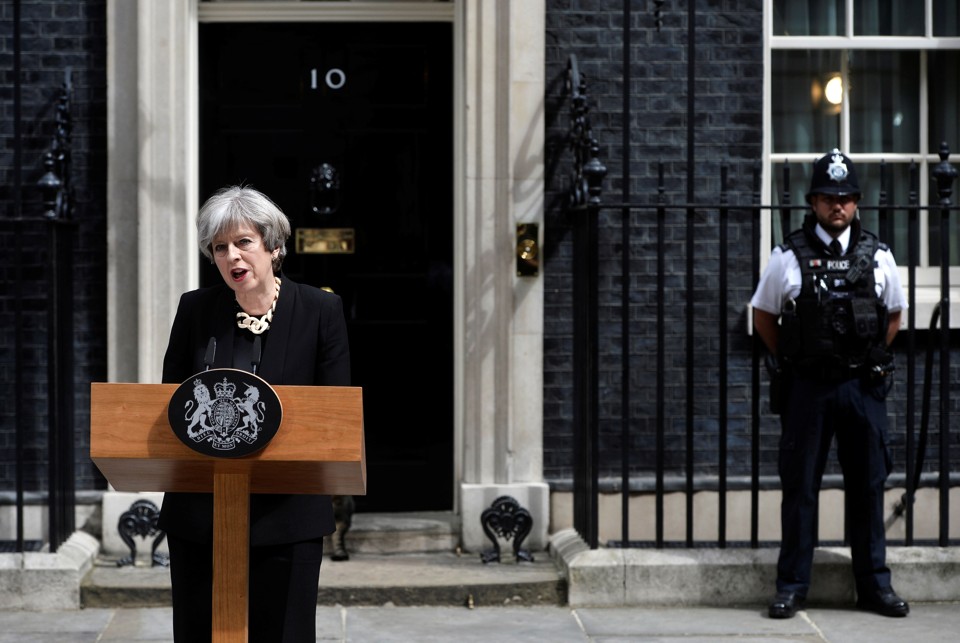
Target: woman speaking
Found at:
x=303, y=341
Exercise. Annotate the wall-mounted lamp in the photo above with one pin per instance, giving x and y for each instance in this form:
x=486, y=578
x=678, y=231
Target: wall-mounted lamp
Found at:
x=833, y=92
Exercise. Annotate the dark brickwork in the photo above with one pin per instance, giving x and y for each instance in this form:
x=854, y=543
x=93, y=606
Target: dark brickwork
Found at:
x=728, y=130
x=57, y=35
x=54, y=36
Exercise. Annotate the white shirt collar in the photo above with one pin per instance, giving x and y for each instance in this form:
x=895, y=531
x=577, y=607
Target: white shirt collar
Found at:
x=844, y=237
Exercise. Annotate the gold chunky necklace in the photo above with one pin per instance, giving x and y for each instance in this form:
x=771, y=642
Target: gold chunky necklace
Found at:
x=258, y=325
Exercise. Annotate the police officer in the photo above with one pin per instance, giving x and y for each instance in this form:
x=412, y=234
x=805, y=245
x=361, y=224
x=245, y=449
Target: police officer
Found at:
x=827, y=307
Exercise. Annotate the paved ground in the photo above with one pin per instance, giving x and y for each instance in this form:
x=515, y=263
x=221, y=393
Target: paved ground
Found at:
x=927, y=623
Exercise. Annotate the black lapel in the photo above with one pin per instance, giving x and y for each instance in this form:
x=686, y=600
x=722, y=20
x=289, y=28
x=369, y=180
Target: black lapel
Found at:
x=278, y=341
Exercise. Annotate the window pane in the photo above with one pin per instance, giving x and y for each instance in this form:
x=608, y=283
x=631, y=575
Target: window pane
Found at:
x=811, y=18
x=888, y=18
x=803, y=119
x=884, y=97
x=943, y=83
x=789, y=220
x=946, y=18
x=891, y=226
x=954, y=238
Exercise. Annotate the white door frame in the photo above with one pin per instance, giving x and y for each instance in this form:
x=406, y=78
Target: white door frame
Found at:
x=498, y=183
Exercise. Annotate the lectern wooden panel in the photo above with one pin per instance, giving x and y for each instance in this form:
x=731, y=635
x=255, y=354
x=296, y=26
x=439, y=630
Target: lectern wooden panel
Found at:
x=318, y=449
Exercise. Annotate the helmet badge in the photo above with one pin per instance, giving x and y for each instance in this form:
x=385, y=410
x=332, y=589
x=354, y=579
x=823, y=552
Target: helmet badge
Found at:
x=837, y=170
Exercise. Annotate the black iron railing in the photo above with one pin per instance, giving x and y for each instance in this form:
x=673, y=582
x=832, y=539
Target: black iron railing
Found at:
x=698, y=217
x=714, y=223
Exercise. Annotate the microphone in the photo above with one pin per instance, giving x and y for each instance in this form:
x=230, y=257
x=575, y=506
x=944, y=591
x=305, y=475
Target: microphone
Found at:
x=257, y=350
x=211, y=351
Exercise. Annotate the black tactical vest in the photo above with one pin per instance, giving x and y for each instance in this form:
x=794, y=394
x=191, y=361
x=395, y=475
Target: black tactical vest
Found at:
x=837, y=321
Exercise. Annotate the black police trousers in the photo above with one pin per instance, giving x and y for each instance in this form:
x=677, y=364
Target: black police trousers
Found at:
x=815, y=411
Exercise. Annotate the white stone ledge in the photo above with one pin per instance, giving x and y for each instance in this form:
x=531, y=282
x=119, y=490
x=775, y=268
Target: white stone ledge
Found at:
x=42, y=581
x=719, y=577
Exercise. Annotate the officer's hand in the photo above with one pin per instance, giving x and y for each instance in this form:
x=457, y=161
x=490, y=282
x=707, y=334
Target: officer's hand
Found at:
x=881, y=362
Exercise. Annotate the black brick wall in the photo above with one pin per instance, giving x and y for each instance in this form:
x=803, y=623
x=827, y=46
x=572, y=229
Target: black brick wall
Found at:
x=54, y=36
x=728, y=130
x=727, y=116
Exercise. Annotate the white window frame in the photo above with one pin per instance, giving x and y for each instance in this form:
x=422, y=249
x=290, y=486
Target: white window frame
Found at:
x=927, y=277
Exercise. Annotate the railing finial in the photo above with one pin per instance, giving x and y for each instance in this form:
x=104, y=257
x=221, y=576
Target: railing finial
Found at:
x=588, y=170
x=944, y=174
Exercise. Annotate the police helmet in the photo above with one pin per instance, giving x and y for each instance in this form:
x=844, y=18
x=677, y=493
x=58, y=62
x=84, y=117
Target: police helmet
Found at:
x=833, y=173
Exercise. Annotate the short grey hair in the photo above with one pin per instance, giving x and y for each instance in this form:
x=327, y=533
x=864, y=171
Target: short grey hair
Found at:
x=235, y=205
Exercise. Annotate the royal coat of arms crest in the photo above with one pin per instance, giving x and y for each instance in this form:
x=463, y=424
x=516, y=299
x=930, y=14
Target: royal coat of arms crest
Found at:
x=228, y=423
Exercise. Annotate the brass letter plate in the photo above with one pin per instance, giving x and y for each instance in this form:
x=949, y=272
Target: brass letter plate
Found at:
x=325, y=241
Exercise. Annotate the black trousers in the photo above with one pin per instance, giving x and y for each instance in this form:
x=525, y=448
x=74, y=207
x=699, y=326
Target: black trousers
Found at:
x=282, y=594
x=855, y=412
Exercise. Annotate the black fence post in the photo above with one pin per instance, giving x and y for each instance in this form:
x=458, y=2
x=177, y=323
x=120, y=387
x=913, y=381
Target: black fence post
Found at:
x=18, y=388
x=661, y=350
x=722, y=365
x=755, y=368
x=913, y=258
x=585, y=202
x=944, y=173
x=690, y=245
x=785, y=211
x=58, y=202
x=586, y=374
x=625, y=414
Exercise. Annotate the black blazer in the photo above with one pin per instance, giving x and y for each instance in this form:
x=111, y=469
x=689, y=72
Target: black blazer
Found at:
x=306, y=345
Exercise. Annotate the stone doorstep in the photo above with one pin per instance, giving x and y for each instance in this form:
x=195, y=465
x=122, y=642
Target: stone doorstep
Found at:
x=399, y=533
x=366, y=579
x=718, y=577
x=370, y=533
x=402, y=559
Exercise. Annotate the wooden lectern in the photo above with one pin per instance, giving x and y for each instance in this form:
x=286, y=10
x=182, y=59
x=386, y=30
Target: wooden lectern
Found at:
x=318, y=449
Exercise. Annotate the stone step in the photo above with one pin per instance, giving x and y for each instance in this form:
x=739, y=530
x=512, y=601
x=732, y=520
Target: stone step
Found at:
x=401, y=558
x=402, y=533
x=443, y=578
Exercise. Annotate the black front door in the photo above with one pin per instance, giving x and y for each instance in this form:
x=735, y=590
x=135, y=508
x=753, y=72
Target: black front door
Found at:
x=348, y=128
